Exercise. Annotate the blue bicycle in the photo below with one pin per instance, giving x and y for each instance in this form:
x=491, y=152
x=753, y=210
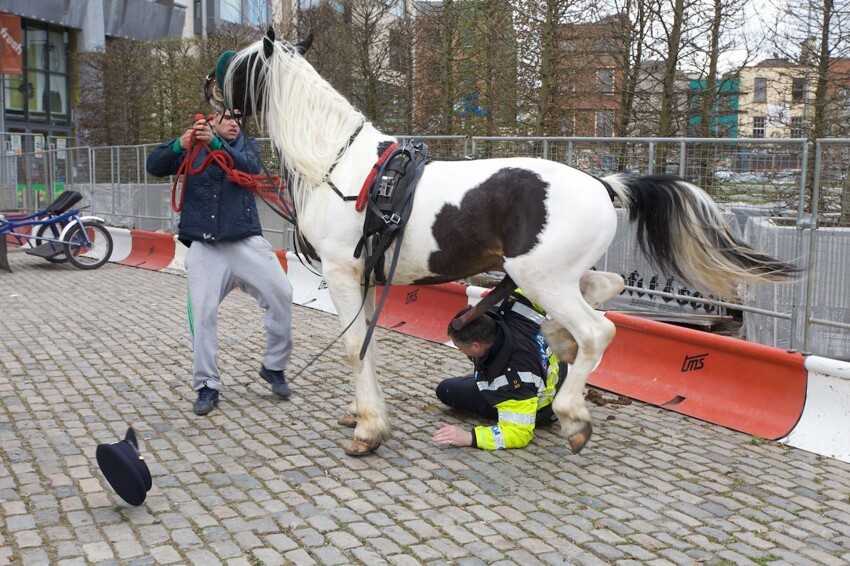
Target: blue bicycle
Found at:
x=58, y=234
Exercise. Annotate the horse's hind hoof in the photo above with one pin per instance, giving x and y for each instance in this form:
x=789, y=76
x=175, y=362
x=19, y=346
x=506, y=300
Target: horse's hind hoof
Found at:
x=347, y=420
x=580, y=439
x=359, y=448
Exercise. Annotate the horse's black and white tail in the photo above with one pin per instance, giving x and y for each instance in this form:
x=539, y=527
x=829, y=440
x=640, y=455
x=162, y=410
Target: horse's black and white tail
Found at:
x=682, y=231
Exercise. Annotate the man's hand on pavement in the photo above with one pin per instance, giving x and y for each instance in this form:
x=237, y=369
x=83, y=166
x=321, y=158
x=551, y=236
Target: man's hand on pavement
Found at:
x=450, y=435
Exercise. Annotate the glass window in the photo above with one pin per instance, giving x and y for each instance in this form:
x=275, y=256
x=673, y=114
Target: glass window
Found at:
x=605, y=80
x=798, y=90
x=760, y=90
x=797, y=127
x=37, y=49
x=38, y=92
x=758, y=127
x=231, y=11
x=17, y=93
x=58, y=97
x=56, y=55
x=604, y=124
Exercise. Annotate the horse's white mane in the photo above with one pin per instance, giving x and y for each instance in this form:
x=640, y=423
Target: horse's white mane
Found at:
x=308, y=120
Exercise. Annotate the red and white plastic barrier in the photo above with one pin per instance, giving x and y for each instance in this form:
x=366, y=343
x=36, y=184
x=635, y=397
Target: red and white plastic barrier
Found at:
x=824, y=427
x=767, y=392
x=744, y=386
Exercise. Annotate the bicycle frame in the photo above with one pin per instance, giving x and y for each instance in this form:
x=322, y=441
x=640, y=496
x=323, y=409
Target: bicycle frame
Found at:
x=66, y=221
x=36, y=219
x=61, y=219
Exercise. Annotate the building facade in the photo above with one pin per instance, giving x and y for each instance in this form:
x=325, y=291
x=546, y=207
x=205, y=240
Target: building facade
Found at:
x=588, y=78
x=724, y=112
x=774, y=100
x=40, y=41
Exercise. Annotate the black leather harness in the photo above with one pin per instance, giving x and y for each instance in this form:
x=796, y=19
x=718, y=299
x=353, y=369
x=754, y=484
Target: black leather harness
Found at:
x=388, y=206
x=388, y=209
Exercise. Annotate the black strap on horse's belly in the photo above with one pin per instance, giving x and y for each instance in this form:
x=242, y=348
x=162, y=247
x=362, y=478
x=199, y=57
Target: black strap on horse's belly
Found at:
x=502, y=290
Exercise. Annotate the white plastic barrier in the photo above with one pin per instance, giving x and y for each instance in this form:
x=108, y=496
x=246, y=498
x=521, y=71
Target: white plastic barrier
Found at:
x=122, y=243
x=824, y=427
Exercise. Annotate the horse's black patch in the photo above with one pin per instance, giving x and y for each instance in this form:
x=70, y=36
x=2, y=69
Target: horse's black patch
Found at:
x=502, y=217
x=239, y=99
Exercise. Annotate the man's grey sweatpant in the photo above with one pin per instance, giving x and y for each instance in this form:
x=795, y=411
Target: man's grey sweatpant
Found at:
x=216, y=269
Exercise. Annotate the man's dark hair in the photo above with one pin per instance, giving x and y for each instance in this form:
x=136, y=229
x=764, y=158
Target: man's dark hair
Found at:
x=482, y=330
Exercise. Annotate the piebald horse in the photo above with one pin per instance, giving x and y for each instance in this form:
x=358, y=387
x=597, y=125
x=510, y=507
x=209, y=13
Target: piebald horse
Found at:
x=543, y=223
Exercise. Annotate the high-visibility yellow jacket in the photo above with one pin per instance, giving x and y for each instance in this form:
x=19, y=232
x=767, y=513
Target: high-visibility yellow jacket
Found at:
x=518, y=376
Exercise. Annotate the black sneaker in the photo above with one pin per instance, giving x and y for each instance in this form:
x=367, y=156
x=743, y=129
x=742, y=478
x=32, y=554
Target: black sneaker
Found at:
x=277, y=380
x=545, y=417
x=207, y=400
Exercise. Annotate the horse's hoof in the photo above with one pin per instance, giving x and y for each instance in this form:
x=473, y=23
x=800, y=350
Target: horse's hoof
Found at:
x=359, y=448
x=347, y=420
x=580, y=439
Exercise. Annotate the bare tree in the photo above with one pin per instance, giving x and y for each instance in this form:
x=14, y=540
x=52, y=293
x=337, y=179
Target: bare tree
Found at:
x=815, y=33
x=368, y=32
x=672, y=27
x=112, y=114
x=439, y=37
x=635, y=25
x=146, y=91
x=492, y=69
x=540, y=25
x=331, y=51
x=662, y=84
x=716, y=30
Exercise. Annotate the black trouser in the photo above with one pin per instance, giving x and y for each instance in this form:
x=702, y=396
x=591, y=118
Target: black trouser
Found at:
x=462, y=393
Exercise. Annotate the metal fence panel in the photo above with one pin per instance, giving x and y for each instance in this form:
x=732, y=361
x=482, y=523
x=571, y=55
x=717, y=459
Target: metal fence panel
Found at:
x=762, y=184
x=825, y=283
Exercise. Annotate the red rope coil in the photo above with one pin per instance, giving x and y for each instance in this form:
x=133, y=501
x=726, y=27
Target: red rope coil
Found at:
x=258, y=184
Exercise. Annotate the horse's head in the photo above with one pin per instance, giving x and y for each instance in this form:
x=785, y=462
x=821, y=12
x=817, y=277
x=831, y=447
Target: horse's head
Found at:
x=307, y=120
x=246, y=72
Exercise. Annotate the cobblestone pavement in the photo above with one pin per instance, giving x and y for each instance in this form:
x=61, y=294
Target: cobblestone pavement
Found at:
x=265, y=481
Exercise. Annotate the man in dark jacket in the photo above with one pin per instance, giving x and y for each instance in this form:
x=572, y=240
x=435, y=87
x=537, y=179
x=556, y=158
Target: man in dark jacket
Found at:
x=220, y=223
x=515, y=380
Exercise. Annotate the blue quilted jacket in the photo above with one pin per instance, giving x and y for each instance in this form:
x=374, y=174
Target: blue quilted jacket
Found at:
x=214, y=208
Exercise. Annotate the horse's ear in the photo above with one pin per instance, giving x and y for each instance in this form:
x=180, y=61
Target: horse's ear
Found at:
x=303, y=45
x=268, y=43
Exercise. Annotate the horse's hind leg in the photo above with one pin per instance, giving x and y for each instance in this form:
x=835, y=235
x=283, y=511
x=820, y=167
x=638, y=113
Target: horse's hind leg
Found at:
x=600, y=286
x=592, y=332
x=596, y=288
x=372, y=423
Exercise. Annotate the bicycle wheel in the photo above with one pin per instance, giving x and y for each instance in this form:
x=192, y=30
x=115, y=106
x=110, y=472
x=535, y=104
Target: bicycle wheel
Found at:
x=88, y=249
x=40, y=233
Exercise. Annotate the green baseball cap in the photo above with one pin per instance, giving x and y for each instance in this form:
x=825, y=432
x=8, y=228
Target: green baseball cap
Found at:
x=221, y=67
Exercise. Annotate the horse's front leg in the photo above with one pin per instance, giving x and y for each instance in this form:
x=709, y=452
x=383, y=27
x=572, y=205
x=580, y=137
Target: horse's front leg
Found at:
x=368, y=408
x=349, y=417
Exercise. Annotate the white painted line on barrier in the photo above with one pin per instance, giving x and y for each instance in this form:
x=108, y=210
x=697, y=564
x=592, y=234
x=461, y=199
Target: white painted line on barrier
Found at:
x=178, y=264
x=474, y=294
x=122, y=243
x=824, y=427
